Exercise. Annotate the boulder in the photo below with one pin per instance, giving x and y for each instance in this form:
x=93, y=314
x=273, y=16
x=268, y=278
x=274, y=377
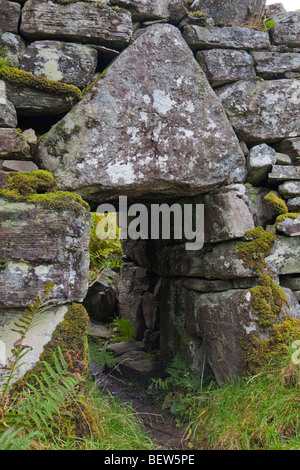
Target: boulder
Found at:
x=275, y=64
x=237, y=12
x=8, y=115
x=132, y=128
x=287, y=29
x=223, y=66
x=70, y=63
x=9, y=16
x=262, y=111
x=79, y=22
x=234, y=37
x=40, y=244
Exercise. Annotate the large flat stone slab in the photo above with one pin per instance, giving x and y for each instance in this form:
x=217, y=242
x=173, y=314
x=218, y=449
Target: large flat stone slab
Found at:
x=155, y=127
x=79, y=22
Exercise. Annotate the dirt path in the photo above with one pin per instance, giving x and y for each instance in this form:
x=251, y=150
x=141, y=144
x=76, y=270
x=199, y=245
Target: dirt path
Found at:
x=160, y=424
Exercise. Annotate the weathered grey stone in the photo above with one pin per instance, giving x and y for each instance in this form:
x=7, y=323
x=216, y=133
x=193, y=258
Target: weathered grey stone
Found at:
x=13, y=145
x=36, y=338
x=237, y=12
x=101, y=301
x=70, y=63
x=39, y=245
x=289, y=282
x=203, y=285
x=289, y=226
x=98, y=330
x=143, y=10
x=290, y=189
x=294, y=204
x=135, y=127
x=273, y=10
x=291, y=147
x=274, y=64
x=19, y=165
x=283, y=172
x=223, y=66
x=80, y=22
x=235, y=37
x=124, y=346
x=283, y=159
x=8, y=115
x=29, y=101
x=223, y=262
x=9, y=16
x=260, y=160
x=137, y=365
x=262, y=111
x=14, y=47
x=222, y=320
x=226, y=216
x=287, y=29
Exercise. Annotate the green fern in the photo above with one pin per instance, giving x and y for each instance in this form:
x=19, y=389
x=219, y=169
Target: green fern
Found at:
x=126, y=329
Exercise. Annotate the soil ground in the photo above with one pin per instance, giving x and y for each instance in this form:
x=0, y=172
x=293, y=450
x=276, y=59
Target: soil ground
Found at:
x=159, y=424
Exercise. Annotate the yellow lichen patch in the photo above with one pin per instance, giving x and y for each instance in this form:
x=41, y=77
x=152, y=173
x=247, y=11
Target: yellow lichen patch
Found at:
x=267, y=301
x=258, y=246
x=276, y=203
x=20, y=78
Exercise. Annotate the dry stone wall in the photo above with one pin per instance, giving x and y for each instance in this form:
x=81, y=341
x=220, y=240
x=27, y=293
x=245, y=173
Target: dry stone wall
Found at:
x=170, y=101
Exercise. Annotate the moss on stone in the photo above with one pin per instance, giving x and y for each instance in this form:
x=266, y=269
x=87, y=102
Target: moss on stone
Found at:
x=40, y=187
x=267, y=301
x=276, y=203
x=258, y=353
x=20, y=78
x=258, y=246
x=288, y=215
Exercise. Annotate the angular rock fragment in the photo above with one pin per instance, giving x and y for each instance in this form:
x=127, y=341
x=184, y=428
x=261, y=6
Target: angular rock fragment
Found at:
x=290, y=189
x=291, y=147
x=262, y=111
x=287, y=29
x=70, y=63
x=143, y=10
x=79, y=22
x=290, y=226
x=139, y=123
x=101, y=301
x=9, y=16
x=223, y=66
x=283, y=173
x=294, y=203
x=8, y=115
x=13, y=145
x=274, y=64
x=40, y=244
x=19, y=165
x=237, y=12
x=260, y=160
x=234, y=37
x=13, y=47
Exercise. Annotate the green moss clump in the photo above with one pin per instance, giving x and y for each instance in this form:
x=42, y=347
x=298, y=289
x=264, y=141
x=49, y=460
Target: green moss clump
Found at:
x=289, y=215
x=254, y=251
x=40, y=187
x=20, y=78
x=258, y=353
x=32, y=182
x=267, y=301
x=276, y=203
